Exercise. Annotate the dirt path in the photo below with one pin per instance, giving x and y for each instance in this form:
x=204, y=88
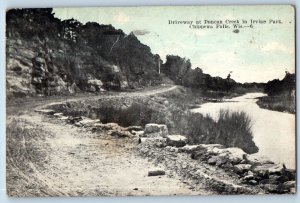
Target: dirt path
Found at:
x=61, y=159
x=28, y=104
x=82, y=163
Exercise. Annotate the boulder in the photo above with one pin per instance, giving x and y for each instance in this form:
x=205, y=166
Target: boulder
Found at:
x=228, y=166
x=94, y=85
x=176, y=140
x=255, y=159
x=242, y=168
x=234, y=155
x=156, y=172
x=268, y=168
x=155, y=130
x=222, y=160
x=212, y=160
x=213, y=149
x=217, y=160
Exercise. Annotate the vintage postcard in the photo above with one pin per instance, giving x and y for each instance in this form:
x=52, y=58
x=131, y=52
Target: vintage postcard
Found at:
x=166, y=100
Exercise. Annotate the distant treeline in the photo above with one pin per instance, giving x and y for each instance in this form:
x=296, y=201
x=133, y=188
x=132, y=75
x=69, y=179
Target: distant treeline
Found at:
x=179, y=70
x=281, y=94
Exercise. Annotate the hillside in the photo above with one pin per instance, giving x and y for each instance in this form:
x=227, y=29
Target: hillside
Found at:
x=47, y=56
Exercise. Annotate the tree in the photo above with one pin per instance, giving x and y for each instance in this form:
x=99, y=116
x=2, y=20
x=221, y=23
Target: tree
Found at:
x=176, y=68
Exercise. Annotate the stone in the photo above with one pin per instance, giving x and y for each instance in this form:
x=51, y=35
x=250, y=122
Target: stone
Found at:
x=289, y=184
x=134, y=128
x=190, y=148
x=94, y=85
x=184, y=165
x=212, y=160
x=45, y=111
x=176, y=140
x=255, y=159
x=108, y=126
x=121, y=133
x=241, y=168
x=252, y=182
x=221, y=160
x=157, y=142
x=138, y=133
x=270, y=188
x=234, y=155
x=64, y=118
x=155, y=130
x=268, y=181
x=75, y=119
x=58, y=114
x=268, y=169
x=213, y=149
x=173, y=149
x=248, y=177
x=227, y=165
x=88, y=121
x=156, y=172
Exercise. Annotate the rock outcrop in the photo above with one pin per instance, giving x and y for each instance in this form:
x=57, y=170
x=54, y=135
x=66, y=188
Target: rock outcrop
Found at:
x=48, y=56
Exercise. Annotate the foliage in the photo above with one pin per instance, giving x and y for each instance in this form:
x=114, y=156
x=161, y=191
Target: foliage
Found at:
x=231, y=129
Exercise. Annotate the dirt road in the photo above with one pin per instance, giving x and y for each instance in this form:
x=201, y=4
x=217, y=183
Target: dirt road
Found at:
x=52, y=158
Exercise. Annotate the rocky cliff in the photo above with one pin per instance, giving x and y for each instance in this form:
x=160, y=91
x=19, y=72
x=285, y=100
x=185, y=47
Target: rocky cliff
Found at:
x=47, y=56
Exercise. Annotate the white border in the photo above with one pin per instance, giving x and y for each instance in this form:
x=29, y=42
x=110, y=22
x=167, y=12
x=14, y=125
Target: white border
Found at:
x=6, y=4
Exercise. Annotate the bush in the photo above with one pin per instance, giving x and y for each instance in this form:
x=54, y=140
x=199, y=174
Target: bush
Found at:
x=231, y=129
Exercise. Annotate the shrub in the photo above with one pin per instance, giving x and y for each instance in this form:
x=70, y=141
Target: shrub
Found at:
x=231, y=129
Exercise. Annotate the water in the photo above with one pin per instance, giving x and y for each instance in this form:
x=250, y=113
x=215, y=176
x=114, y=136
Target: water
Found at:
x=273, y=131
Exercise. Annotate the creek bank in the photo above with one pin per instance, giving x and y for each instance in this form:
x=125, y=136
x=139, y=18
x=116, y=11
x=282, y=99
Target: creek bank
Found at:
x=212, y=166
x=200, y=164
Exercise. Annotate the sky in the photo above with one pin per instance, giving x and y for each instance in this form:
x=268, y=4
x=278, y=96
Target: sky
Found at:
x=257, y=54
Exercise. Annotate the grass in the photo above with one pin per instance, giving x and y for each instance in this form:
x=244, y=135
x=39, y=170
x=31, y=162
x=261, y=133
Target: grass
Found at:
x=25, y=144
x=278, y=103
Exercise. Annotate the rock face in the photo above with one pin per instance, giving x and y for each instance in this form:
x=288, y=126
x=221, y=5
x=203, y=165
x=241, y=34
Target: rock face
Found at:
x=176, y=140
x=48, y=56
x=155, y=130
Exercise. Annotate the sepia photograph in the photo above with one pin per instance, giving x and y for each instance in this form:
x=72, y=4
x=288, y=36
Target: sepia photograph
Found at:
x=150, y=101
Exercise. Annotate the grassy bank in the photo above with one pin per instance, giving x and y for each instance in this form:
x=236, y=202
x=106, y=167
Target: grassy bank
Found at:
x=280, y=103
x=232, y=129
